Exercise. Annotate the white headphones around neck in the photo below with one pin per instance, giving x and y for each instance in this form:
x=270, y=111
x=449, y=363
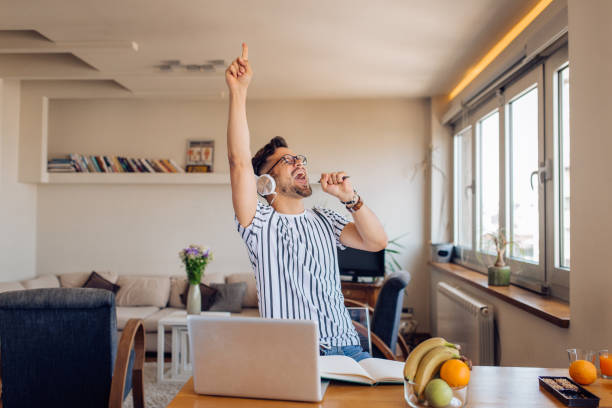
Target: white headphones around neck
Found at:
x=266, y=186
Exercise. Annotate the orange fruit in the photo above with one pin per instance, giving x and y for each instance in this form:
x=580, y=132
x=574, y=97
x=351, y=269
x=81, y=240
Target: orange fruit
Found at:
x=583, y=372
x=455, y=372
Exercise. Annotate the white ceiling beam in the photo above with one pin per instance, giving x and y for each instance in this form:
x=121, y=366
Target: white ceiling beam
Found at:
x=41, y=47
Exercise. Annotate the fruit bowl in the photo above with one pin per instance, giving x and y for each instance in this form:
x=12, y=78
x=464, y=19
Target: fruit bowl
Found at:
x=459, y=398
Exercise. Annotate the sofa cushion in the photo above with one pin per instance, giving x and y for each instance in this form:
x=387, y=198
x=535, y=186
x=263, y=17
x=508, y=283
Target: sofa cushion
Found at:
x=42, y=282
x=125, y=313
x=177, y=288
x=78, y=279
x=96, y=281
x=229, y=297
x=179, y=283
x=9, y=286
x=250, y=298
x=150, y=322
x=143, y=290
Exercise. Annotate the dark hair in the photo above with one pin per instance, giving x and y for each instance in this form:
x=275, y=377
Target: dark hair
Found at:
x=268, y=150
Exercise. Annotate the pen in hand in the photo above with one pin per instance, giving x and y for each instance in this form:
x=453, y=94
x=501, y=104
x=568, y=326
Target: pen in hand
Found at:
x=343, y=178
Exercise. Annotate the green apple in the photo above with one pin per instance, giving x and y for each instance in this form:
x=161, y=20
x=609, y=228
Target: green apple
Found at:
x=438, y=393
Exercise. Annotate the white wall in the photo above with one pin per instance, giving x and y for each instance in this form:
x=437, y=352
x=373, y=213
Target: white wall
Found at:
x=140, y=228
x=441, y=174
x=591, y=179
x=17, y=201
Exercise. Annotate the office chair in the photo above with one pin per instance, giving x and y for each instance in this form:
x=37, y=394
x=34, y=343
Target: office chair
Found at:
x=58, y=347
x=385, y=318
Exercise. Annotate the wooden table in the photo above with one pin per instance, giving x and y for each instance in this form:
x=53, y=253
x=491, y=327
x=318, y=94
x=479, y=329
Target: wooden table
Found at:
x=489, y=387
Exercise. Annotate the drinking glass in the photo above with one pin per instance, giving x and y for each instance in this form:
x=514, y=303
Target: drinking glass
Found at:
x=581, y=354
x=458, y=400
x=605, y=364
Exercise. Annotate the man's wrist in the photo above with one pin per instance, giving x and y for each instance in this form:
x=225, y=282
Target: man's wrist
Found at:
x=238, y=94
x=350, y=200
x=356, y=206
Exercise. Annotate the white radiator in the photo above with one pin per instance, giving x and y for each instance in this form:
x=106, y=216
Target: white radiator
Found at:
x=467, y=321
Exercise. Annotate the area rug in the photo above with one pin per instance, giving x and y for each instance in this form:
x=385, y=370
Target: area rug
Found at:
x=156, y=395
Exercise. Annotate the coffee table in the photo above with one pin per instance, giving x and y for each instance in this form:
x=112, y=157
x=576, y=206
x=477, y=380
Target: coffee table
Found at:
x=180, y=363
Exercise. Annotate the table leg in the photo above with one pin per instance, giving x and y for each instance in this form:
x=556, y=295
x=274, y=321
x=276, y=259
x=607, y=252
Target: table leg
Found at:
x=175, y=352
x=188, y=365
x=160, y=353
x=183, y=351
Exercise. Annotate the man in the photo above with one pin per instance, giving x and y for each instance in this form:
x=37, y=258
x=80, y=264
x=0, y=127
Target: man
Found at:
x=293, y=250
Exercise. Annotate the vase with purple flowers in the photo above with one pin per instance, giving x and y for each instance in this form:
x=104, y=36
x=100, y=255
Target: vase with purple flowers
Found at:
x=195, y=258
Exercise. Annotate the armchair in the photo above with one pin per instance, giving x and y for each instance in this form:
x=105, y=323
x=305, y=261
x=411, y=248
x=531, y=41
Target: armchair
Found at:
x=58, y=347
x=386, y=317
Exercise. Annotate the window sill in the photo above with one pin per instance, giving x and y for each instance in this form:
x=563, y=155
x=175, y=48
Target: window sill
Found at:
x=549, y=309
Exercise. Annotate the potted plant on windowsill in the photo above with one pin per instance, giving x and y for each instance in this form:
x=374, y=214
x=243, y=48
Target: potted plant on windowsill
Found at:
x=499, y=273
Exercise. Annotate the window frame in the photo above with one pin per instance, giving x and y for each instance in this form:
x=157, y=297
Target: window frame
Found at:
x=482, y=113
x=547, y=276
x=523, y=271
x=464, y=132
x=557, y=276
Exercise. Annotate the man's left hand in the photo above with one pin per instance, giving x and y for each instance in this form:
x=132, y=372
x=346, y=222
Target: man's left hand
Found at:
x=335, y=184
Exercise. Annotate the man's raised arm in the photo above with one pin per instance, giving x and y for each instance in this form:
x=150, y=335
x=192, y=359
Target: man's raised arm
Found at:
x=238, y=76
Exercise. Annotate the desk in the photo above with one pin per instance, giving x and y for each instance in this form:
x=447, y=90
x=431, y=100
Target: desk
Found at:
x=489, y=387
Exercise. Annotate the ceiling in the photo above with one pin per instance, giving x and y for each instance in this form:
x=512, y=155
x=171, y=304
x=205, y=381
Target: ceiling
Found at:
x=298, y=49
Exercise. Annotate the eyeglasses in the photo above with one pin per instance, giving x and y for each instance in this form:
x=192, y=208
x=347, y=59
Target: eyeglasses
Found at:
x=291, y=160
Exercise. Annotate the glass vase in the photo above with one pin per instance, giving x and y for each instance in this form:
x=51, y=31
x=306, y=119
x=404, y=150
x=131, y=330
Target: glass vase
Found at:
x=194, y=300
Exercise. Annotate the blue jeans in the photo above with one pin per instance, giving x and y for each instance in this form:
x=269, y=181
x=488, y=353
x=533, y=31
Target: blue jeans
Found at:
x=354, y=352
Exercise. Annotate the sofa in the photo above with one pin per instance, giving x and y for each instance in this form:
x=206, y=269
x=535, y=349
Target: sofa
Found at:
x=149, y=298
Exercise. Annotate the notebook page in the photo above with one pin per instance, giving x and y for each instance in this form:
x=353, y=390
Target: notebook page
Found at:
x=384, y=370
x=341, y=365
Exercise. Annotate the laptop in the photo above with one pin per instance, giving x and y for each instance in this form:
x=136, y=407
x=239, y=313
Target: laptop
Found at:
x=255, y=358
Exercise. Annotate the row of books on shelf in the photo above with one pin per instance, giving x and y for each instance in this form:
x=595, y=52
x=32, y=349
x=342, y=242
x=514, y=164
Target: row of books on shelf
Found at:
x=78, y=163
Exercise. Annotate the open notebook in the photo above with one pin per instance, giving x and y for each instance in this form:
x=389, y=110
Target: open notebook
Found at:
x=369, y=371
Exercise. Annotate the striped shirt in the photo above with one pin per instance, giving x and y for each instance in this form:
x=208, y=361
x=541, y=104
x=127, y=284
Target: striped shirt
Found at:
x=296, y=269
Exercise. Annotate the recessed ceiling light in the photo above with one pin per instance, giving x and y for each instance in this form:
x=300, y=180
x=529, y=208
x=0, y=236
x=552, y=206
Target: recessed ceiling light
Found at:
x=173, y=65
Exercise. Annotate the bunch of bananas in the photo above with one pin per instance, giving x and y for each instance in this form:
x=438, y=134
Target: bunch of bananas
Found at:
x=425, y=360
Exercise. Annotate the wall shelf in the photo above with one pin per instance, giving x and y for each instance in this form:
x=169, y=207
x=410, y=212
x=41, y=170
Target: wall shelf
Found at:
x=136, y=178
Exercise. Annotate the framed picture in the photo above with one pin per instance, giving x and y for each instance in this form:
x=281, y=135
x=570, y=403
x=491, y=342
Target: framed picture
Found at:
x=200, y=156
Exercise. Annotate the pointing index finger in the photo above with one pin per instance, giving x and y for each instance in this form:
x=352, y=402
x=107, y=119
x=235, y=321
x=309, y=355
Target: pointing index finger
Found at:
x=245, y=51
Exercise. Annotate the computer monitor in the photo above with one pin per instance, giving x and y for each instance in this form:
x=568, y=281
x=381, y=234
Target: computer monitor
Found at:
x=357, y=263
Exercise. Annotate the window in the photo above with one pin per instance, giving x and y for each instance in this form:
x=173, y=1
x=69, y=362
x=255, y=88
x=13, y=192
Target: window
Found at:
x=463, y=188
x=487, y=184
x=524, y=214
x=512, y=157
x=563, y=168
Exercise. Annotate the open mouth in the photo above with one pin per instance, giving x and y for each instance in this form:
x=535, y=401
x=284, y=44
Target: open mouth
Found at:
x=300, y=177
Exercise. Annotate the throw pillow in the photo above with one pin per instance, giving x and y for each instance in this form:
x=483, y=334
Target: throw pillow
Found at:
x=208, y=296
x=96, y=281
x=250, y=298
x=229, y=297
